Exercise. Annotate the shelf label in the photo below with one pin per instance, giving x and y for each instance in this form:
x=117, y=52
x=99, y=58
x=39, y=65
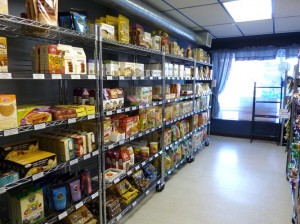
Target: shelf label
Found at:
x=147, y=132
x=119, y=217
x=91, y=76
x=71, y=120
x=87, y=156
x=134, y=204
x=129, y=172
x=73, y=161
x=133, y=78
x=147, y=192
x=134, y=108
x=144, y=163
x=142, y=77
x=151, y=158
x=121, y=77
x=109, y=78
x=37, y=176
x=160, y=152
x=141, y=107
x=119, y=111
x=5, y=75
x=127, y=109
x=75, y=77
x=96, y=194
x=131, y=138
x=62, y=215
x=79, y=205
x=181, y=162
x=121, y=142
x=169, y=172
x=214, y=83
x=109, y=113
x=9, y=132
x=111, y=146
x=283, y=113
x=141, y=134
x=95, y=153
x=117, y=180
x=2, y=190
x=176, y=166
x=56, y=76
x=38, y=76
x=137, y=167
x=39, y=126
x=91, y=116
x=156, y=155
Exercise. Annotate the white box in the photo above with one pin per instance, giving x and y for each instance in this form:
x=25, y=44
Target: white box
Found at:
x=175, y=70
x=127, y=69
x=69, y=58
x=181, y=71
x=139, y=70
x=111, y=68
x=80, y=61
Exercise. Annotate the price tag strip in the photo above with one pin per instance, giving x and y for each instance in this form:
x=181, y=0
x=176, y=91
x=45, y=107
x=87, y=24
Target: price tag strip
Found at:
x=79, y=205
x=73, y=161
x=38, y=76
x=37, y=176
x=62, y=215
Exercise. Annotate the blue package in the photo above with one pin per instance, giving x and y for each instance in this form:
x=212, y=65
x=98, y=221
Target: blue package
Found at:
x=79, y=21
x=65, y=20
x=59, y=198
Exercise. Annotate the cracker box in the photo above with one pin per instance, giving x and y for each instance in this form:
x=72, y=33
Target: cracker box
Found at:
x=32, y=163
x=139, y=69
x=111, y=68
x=8, y=111
x=30, y=115
x=3, y=53
x=108, y=31
x=69, y=58
x=80, y=61
x=127, y=69
x=156, y=43
x=4, y=7
x=175, y=70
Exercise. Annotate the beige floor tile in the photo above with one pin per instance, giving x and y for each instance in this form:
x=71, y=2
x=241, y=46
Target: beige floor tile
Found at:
x=232, y=181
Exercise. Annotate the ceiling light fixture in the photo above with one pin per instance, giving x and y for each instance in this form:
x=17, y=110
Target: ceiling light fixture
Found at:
x=249, y=10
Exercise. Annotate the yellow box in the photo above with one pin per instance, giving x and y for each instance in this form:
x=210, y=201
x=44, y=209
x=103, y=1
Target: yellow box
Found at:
x=8, y=111
x=4, y=7
x=31, y=114
x=3, y=53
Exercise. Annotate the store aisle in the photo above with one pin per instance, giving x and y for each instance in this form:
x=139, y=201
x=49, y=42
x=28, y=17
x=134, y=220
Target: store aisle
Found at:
x=231, y=182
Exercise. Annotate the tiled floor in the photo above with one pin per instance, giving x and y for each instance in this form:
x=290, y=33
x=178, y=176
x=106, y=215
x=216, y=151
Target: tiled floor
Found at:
x=231, y=182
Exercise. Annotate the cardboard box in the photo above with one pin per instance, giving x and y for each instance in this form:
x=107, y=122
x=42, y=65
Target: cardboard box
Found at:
x=156, y=43
x=8, y=111
x=52, y=60
x=175, y=70
x=127, y=69
x=69, y=58
x=107, y=31
x=111, y=68
x=3, y=53
x=30, y=114
x=8, y=177
x=80, y=61
x=139, y=70
x=4, y=7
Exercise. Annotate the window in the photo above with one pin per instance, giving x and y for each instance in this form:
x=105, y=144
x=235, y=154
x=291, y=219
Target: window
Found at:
x=237, y=97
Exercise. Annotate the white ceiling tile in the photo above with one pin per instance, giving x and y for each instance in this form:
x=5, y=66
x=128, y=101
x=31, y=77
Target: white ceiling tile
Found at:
x=256, y=27
x=180, y=18
x=158, y=4
x=286, y=25
x=224, y=31
x=207, y=15
x=286, y=8
x=188, y=3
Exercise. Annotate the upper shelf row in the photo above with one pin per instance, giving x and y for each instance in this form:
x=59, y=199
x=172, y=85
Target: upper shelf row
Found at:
x=13, y=26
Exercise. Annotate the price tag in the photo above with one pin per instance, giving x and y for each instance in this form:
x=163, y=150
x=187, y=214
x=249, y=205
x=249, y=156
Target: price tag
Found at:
x=169, y=172
x=5, y=75
x=153, y=129
x=156, y=155
x=147, y=132
x=71, y=120
x=91, y=116
x=2, y=190
x=151, y=159
x=87, y=156
x=151, y=78
x=109, y=77
x=147, y=192
x=144, y=163
x=95, y=153
x=39, y=126
x=96, y=194
x=9, y=132
x=119, y=111
x=176, y=166
x=38, y=76
x=91, y=76
x=75, y=77
x=134, y=204
x=62, y=215
x=79, y=205
x=56, y=76
x=181, y=162
x=133, y=78
x=127, y=109
x=160, y=152
x=134, y=108
x=129, y=172
x=119, y=217
x=137, y=167
x=141, y=107
x=147, y=105
x=109, y=113
x=158, y=182
x=117, y=180
x=37, y=176
x=131, y=138
x=73, y=161
x=141, y=134
x=111, y=146
x=121, y=77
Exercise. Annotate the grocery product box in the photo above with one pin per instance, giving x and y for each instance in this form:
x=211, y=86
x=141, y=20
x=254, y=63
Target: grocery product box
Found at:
x=8, y=111
x=148, y=40
x=127, y=69
x=130, y=125
x=80, y=61
x=18, y=149
x=4, y=7
x=30, y=114
x=32, y=163
x=139, y=69
x=8, y=177
x=107, y=31
x=181, y=71
x=69, y=58
x=156, y=43
x=175, y=70
x=51, y=59
x=3, y=53
x=139, y=95
x=111, y=68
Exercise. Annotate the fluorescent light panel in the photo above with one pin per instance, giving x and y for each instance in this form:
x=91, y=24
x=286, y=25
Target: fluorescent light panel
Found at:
x=249, y=10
